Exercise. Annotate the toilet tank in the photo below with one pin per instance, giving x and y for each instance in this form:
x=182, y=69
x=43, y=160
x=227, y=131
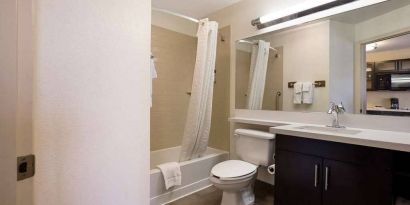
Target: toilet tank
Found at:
x=253, y=146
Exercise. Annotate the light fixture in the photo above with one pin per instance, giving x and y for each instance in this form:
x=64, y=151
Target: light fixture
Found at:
x=304, y=9
x=371, y=46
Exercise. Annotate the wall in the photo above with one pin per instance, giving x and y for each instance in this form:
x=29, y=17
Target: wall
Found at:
x=243, y=62
x=382, y=98
x=274, y=80
x=91, y=102
x=24, y=135
x=341, y=84
x=388, y=55
x=175, y=61
x=174, y=23
x=305, y=58
x=8, y=99
x=219, y=137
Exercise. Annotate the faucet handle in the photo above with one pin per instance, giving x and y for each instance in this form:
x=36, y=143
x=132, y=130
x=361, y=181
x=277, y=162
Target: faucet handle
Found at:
x=341, y=108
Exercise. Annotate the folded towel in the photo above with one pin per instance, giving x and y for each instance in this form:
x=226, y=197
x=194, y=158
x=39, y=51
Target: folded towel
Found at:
x=307, y=92
x=297, y=93
x=172, y=174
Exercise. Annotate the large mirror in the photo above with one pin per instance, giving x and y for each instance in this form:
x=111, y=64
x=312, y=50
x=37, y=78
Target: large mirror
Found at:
x=354, y=57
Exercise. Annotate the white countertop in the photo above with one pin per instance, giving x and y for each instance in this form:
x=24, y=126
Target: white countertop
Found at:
x=399, y=141
x=385, y=109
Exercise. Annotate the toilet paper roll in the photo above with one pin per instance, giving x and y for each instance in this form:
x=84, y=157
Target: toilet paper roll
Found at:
x=271, y=169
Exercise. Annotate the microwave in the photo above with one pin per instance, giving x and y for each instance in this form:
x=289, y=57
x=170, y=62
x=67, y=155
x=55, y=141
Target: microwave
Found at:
x=400, y=81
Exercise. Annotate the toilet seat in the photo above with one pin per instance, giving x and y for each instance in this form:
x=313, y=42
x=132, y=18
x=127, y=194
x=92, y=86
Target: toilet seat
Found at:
x=233, y=170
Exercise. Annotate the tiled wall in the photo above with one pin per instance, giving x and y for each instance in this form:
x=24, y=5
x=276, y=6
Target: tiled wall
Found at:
x=175, y=60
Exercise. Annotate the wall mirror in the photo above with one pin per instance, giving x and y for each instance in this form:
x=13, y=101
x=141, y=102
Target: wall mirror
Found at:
x=360, y=58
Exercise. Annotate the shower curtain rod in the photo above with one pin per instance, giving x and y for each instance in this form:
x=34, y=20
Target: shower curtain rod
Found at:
x=255, y=43
x=176, y=14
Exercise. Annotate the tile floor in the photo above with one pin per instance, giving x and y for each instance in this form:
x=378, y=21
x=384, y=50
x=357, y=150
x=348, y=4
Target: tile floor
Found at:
x=213, y=196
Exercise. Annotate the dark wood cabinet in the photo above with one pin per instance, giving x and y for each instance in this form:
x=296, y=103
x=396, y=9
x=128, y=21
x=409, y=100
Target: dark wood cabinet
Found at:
x=317, y=172
x=299, y=182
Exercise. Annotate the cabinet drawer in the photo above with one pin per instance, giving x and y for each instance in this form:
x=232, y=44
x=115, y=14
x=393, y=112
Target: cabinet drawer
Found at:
x=336, y=151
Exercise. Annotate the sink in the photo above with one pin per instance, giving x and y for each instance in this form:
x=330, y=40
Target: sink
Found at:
x=329, y=129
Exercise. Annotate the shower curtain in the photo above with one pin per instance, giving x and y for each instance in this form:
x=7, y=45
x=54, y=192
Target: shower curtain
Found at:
x=198, y=122
x=257, y=76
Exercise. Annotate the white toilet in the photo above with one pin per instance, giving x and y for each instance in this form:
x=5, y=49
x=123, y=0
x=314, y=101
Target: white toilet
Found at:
x=236, y=177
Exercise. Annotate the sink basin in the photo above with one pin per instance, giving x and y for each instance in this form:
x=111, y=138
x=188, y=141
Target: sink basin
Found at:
x=329, y=129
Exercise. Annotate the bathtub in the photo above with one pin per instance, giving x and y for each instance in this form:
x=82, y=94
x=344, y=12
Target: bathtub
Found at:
x=195, y=173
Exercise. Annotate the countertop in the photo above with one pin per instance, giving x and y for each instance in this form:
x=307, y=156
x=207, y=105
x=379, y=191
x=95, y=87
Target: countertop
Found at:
x=391, y=140
x=386, y=110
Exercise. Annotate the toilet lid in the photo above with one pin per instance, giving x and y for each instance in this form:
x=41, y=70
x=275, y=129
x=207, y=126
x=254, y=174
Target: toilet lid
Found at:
x=233, y=169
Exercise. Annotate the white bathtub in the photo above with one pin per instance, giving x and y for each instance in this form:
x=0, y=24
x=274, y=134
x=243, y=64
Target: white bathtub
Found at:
x=195, y=173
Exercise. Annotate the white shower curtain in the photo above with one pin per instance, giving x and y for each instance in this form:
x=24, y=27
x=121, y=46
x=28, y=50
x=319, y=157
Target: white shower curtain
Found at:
x=257, y=76
x=198, y=122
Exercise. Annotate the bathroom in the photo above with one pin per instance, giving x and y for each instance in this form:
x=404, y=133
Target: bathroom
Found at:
x=102, y=101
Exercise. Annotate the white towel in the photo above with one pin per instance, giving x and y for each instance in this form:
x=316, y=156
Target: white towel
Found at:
x=297, y=93
x=153, y=75
x=307, y=92
x=172, y=174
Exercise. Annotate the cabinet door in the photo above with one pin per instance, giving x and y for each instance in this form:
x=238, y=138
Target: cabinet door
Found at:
x=405, y=65
x=386, y=66
x=297, y=179
x=352, y=184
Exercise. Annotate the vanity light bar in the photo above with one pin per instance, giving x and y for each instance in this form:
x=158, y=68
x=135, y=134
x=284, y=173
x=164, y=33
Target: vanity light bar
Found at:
x=297, y=12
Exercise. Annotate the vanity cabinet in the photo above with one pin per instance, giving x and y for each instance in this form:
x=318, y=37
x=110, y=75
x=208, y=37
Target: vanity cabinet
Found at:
x=315, y=172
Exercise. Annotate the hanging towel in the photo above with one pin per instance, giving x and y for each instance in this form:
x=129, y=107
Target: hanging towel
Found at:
x=297, y=93
x=307, y=92
x=172, y=174
x=153, y=75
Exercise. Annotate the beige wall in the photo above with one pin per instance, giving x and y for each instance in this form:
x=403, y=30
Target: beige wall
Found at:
x=91, y=102
x=8, y=99
x=174, y=23
x=382, y=98
x=388, y=55
x=175, y=61
x=24, y=137
x=219, y=137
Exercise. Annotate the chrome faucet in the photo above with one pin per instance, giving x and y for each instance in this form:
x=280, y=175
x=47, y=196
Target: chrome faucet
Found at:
x=335, y=110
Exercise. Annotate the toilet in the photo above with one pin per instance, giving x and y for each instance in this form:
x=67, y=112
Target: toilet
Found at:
x=236, y=177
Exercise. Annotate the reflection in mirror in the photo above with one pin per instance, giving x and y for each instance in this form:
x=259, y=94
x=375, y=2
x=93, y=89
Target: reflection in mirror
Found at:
x=331, y=51
x=259, y=75
x=388, y=76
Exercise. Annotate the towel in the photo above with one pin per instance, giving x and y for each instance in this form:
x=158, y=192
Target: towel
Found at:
x=297, y=93
x=172, y=174
x=153, y=75
x=307, y=92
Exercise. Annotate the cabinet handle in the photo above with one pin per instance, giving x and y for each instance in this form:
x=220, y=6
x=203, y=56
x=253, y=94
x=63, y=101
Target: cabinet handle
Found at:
x=326, y=178
x=316, y=168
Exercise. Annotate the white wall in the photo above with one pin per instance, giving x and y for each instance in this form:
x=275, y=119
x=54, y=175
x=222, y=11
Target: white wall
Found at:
x=8, y=99
x=91, y=102
x=174, y=23
x=341, y=84
x=305, y=58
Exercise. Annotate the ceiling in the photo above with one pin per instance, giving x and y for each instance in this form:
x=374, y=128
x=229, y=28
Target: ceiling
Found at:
x=193, y=8
x=401, y=42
